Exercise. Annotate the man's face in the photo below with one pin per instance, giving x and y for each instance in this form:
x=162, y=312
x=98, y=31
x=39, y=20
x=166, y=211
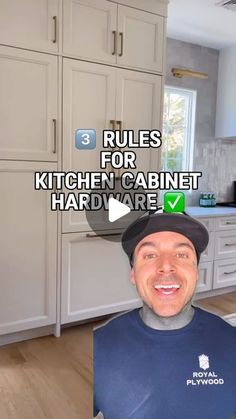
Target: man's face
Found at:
x=165, y=272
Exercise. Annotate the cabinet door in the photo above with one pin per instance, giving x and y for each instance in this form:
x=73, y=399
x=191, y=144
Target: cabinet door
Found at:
x=138, y=107
x=30, y=24
x=204, y=282
x=224, y=273
x=89, y=29
x=140, y=39
x=28, y=245
x=28, y=105
x=89, y=102
x=91, y=283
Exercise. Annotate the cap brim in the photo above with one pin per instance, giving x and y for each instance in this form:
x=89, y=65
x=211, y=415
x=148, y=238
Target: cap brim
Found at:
x=154, y=223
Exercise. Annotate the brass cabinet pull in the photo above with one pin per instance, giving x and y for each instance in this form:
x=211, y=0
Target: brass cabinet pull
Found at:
x=54, y=135
x=119, y=123
x=231, y=222
x=121, y=44
x=91, y=235
x=230, y=244
x=113, y=124
x=228, y=273
x=55, y=29
x=114, y=43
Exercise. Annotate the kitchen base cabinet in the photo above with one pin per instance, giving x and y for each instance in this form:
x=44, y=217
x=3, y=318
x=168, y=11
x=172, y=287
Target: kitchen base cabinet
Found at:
x=204, y=282
x=95, y=278
x=28, y=249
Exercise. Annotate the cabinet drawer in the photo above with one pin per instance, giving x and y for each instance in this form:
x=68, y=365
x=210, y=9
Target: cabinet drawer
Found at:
x=225, y=223
x=225, y=244
x=95, y=278
x=208, y=254
x=224, y=273
x=204, y=282
x=207, y=222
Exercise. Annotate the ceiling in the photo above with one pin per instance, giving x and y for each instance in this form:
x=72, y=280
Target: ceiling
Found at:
x=202, y=22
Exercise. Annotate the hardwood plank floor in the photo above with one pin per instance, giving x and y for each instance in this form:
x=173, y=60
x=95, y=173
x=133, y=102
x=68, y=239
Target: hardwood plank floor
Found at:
x=48, y=378
x=222, y=304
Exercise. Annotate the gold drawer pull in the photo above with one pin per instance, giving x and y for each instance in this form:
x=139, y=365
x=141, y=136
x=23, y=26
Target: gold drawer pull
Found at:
x=228, y=273
x=121, y=44
x=231, y=222
x=230, y=244
x=91, y=235
x=115, y=43
x=55, y=29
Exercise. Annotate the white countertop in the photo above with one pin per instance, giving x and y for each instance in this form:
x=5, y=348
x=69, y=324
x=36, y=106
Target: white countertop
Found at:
x=210, y=211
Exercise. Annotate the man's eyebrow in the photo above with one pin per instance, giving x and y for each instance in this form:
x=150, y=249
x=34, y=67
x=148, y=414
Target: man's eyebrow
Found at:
x=177, y=245
x=147, y=243
x=185, y=244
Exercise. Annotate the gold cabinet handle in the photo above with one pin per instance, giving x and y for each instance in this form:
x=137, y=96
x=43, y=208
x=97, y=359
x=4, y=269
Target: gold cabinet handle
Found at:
x=230, y=244
x=230, y=222
x=119, y=123
x=113, y=124
x=91, y=235
x=114, y=43
x=228, y=273
x=55, y=29
x=121, y=44
x=54, y=136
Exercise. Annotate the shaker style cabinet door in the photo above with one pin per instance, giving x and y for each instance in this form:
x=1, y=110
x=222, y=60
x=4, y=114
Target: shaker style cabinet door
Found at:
x=92, y=285
x=138, y=107
x=89, y=29
x=30, y=24
x=140, y=41
x=88, y=103
x=28, y=105
x=28, y=249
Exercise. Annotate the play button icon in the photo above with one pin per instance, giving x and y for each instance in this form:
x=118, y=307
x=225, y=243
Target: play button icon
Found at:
x=117, y=210
x=111, y=219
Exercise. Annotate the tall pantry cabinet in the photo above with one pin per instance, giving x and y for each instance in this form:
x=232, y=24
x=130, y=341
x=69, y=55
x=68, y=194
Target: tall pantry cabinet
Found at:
x=66, y=65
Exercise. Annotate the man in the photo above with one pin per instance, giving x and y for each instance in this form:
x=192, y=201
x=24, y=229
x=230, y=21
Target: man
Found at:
x=167, y=360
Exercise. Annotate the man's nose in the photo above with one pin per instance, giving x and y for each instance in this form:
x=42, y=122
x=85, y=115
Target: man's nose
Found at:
x=166, y=263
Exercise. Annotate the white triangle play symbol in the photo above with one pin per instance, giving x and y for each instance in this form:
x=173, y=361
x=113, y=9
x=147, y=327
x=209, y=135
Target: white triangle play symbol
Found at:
x=116, y=210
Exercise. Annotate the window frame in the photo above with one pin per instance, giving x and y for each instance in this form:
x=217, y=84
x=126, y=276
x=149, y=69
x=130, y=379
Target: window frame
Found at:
x=188, y=149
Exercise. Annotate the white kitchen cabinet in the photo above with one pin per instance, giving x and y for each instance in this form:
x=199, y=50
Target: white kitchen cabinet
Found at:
x=111, y=33
x=28, y=105
x=95, y=278
x=89, y=28
x=225, y=244
x=30, y=24
x=140, y=39
x=132, y=99
x=28, y=249
x=204, y=282
x=224, y=273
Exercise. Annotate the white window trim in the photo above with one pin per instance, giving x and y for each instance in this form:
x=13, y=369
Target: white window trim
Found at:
x=189, y=141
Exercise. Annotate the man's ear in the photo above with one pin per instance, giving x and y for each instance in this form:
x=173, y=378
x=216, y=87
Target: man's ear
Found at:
x=132, y=276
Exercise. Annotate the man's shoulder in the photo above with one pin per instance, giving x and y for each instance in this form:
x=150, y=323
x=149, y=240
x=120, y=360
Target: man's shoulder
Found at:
x=215, y=321
x=118, y=323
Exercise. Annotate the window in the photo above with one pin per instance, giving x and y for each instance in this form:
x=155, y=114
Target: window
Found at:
x=178, y=129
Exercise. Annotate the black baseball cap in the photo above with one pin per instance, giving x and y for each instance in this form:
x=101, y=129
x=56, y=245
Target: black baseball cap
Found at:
x=180, y=223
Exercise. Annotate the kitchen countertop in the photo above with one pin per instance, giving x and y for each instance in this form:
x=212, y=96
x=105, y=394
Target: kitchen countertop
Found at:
x=210, y=211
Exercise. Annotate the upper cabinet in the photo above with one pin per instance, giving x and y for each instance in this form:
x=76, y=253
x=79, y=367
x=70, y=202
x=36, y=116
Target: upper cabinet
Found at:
x=120, y=35
x=30, y=24
x=226, y=94
x=28, y=105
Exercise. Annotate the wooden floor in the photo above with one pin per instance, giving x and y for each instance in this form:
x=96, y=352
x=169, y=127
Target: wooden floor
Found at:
x=48, y=378
x=221, y=305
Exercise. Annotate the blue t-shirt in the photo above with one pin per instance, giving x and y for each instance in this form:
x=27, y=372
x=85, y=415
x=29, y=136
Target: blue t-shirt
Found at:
x=143, y=373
